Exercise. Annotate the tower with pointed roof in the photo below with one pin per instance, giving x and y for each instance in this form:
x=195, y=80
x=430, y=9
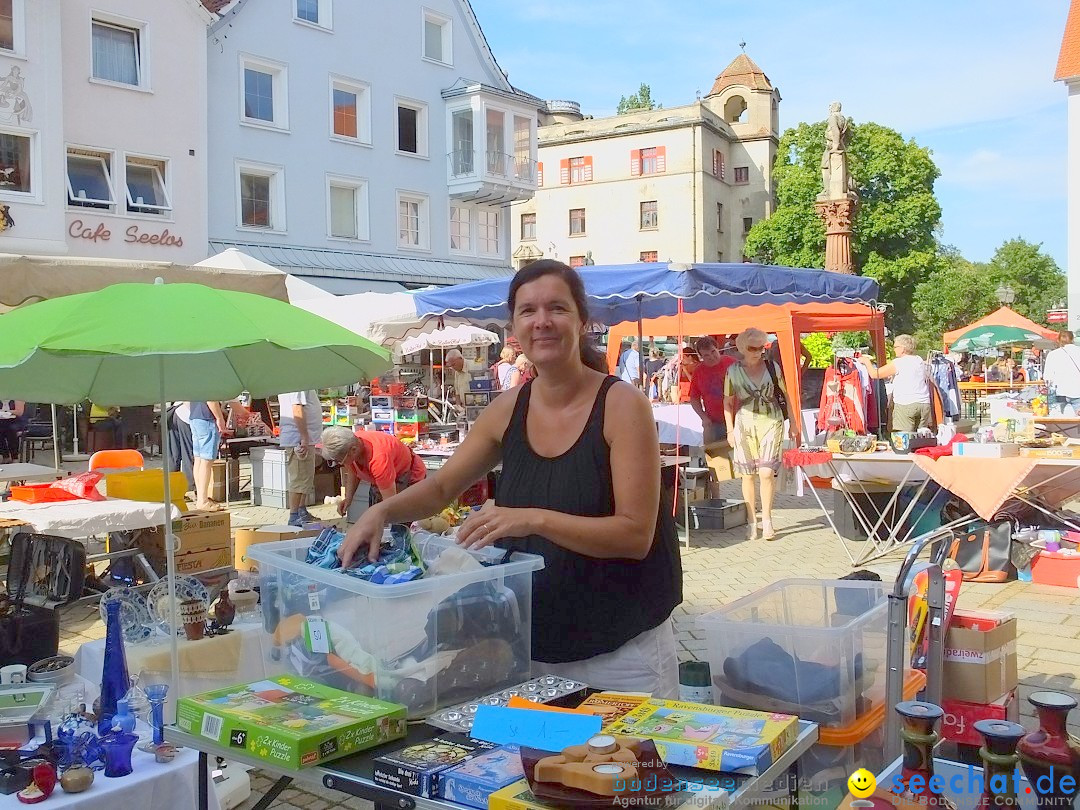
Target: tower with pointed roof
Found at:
x=743, y=95
x=1068, y=71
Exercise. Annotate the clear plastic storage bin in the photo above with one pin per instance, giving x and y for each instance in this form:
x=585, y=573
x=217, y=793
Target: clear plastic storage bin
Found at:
x=434, y=642
x=815, y=648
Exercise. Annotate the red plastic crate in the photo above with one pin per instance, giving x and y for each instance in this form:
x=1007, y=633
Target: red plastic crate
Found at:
x=1055, y=568
x=395, y=389
x=40, y=493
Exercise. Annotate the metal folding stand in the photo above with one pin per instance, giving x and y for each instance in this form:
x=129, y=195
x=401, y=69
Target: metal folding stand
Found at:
x=897, y=653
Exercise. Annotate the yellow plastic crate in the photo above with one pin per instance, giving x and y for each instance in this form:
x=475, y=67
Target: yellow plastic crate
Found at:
x=146, y=485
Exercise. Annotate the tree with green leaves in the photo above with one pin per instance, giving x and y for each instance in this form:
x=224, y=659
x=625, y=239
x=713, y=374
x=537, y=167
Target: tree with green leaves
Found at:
x=641, y=100
x=960, y=291
x=893, y=238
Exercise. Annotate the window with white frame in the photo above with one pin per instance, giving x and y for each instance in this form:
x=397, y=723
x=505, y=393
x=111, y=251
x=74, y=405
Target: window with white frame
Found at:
x=460, y=228
x=438, y=39
x=117, y=53
x=315, y=12
x=263, y=93
x=649, y=215
x=89, y=179
x=16, y=163
x=347, y=214
x=413, y=221
x=147, y=192
x=261, y=196
x=528, y=226
x=350, y=104
x=412, y=127
x=12, y=25
x=487, y=231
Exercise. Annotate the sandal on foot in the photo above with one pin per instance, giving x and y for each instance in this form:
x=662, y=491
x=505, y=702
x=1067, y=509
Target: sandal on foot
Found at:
x=210, y=506
x=767, y=531
x=751, y=532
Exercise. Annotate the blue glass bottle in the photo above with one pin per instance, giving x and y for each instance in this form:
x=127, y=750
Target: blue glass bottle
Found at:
x=114, y=674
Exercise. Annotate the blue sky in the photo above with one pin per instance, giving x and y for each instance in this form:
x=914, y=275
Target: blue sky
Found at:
x=973, y=81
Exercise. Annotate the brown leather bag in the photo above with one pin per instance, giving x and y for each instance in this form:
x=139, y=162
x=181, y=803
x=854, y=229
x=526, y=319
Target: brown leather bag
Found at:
x=982, y=552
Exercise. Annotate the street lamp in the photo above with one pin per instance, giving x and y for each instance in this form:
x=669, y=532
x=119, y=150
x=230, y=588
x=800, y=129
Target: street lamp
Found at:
x=1005, y=295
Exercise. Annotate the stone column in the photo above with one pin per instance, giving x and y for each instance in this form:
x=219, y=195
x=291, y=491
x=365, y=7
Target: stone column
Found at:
x=838, y=215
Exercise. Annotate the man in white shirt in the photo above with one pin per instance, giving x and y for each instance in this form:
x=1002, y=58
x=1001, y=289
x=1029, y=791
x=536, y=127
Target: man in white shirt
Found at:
x=630, y=365
x=300, y=420
x=1062, y=371
x=456, y=376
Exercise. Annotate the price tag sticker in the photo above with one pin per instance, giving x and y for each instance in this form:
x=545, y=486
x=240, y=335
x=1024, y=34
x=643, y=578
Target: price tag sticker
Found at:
x=317, y=636
x=313, y=600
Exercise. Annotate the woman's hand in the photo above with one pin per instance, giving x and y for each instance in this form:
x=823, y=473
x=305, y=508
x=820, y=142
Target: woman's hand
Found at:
x=365, y=533
x=342, y=507
x=793, y=434
x=492, y=523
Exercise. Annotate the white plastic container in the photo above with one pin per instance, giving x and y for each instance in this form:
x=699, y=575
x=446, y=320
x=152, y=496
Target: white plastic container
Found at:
x=434, y=642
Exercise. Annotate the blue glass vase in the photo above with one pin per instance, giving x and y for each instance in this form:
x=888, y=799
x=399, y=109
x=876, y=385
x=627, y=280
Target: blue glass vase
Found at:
x=118, y=747
x=156, y=693
x=114, y=674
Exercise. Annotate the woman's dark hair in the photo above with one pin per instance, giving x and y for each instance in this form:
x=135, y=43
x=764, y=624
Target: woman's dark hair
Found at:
x=590, y=356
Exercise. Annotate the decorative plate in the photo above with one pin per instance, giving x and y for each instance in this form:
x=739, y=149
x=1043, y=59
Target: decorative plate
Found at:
x=157, y=600
x=134, y=617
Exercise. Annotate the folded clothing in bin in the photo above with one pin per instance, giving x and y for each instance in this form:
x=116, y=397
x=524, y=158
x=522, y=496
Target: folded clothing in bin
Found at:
x=398, y=560
x=766, y=668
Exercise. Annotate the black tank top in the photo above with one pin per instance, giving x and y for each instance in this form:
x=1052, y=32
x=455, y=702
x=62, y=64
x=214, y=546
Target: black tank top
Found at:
x=584, y=606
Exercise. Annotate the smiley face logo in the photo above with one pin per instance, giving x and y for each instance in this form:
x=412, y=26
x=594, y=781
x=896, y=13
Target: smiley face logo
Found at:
x=862, y=784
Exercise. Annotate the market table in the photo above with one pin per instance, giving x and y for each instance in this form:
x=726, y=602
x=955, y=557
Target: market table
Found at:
x=352, y=775
x=79, y=519
x=1067, y=425
x=22, y=473
x=969, y=391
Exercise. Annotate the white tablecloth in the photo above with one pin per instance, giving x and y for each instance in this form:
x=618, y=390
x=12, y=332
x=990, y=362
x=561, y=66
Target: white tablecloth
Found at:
x=149, y=786
x=78, y=519
x=255, y=663
x=680, y=420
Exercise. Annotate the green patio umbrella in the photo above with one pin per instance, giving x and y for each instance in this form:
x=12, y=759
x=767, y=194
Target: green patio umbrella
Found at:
x=137, y=344
x=990, y=337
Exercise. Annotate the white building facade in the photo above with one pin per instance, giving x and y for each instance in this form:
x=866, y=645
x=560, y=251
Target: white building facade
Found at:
x=364, y=147
x=103, y=152
x=1068, y=71
x=683, y=184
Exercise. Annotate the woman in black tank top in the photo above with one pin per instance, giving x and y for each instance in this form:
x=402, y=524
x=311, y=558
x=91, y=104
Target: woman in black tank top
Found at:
x=580, y=486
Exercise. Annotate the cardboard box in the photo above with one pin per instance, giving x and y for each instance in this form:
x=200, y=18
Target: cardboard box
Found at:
x=980, y=666
x=204, y=542
x=986, y=450
x=1064, y=451
x=516, y=796
x=715, y=738
x=958, y=725
x=612, y=706
x=416, y=769
x=978, y=619
x=718, y=459
x=327, y=485
x=473, y=781
x=217, y=480
x=266, y=534
x=291, y=721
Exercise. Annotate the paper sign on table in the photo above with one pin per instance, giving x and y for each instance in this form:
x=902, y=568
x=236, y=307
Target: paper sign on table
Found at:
x=549, y=731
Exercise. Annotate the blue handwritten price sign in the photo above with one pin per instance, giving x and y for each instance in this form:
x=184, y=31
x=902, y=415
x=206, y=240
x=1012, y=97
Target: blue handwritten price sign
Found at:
x=549, y=731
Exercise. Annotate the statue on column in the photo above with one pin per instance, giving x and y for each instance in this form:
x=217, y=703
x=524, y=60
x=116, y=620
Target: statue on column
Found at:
x=836, y=181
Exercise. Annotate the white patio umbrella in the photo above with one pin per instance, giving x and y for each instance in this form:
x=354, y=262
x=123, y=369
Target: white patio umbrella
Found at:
x=452, y=337
x=235, y=259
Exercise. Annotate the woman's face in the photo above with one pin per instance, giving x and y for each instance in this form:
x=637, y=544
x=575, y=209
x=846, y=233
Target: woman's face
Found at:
x=546, y=321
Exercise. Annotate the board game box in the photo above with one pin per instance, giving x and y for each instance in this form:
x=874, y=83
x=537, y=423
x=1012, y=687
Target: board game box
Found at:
x=611, y=706
x=417, y=768
x=715, y=738
x=471, y=782
x=291, y=721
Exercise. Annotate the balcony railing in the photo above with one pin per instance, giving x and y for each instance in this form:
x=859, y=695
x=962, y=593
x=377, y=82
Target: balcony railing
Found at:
x=498, y=165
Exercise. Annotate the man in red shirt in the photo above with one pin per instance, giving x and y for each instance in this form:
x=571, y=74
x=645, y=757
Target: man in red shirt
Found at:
x=707, y=389
x=378, y=458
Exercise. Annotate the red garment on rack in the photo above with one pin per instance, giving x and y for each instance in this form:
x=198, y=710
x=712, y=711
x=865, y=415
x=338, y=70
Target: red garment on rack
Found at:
x=843, y=393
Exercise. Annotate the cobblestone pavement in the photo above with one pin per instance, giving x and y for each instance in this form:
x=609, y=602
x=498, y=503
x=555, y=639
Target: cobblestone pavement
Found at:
x=721, y=566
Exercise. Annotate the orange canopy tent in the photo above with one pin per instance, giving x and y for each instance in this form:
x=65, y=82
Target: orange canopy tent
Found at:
x=787, y=321
x=1003, y=317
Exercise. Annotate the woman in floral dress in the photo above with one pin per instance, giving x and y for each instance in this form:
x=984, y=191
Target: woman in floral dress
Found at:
x=755, y=426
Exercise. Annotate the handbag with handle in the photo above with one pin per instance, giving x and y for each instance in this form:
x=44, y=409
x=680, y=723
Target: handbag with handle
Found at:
x=982, y=551
x=778, y=392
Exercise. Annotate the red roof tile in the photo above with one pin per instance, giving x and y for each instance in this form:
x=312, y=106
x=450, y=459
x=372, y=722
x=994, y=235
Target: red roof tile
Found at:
x=215, y=6
x=1068, y=64
x=742, y=71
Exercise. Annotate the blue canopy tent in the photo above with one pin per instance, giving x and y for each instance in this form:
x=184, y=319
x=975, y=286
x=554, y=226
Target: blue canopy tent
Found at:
x=627, y=292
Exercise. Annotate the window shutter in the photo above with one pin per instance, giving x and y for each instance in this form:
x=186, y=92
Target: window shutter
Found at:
x=721, y=175
x=540, y=174
x=716, y=163
x=635, y=162
x=587, y=171
x=564, y=171
x=661, y=158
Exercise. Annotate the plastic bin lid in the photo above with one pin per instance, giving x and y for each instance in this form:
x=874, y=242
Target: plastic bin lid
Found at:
x=870, y=721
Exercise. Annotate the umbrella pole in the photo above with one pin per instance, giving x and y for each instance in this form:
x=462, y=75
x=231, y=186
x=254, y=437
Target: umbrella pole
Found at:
x=55, y=438
x=170, y=550
x=641, y=350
